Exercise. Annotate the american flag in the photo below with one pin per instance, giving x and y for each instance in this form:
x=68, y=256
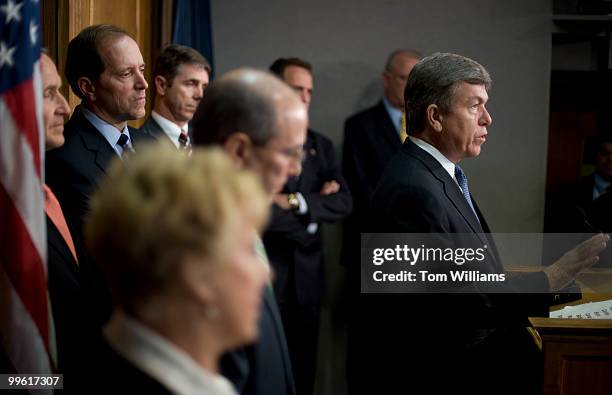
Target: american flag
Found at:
x=24, y=310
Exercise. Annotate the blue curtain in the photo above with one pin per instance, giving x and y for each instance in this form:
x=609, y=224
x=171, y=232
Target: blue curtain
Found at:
x=192, y=27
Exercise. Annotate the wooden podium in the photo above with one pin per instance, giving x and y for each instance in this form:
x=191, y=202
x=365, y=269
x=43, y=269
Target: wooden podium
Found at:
x=577, y=353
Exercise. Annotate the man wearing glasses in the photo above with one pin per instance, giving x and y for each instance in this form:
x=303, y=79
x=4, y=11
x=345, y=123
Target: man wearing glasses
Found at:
x=293, y=239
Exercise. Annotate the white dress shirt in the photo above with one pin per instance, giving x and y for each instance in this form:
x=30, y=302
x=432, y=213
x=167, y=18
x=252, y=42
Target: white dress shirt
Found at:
x=395, y=114
x=110, y=133
x=172, y=130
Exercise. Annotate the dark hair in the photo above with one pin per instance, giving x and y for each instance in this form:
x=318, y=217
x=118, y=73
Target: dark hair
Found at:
x=280, y=64
x=173, y=56
x=232, y=105
x=83, y=57
x=433, y=81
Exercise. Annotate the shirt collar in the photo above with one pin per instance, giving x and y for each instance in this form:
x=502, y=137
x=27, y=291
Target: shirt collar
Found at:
x=395, y=115
x=433, y=151
x=162, y=360
x=172, y=130
x=110, y=133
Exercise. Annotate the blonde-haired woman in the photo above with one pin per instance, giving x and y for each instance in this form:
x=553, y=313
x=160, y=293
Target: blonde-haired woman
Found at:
x=175, y=236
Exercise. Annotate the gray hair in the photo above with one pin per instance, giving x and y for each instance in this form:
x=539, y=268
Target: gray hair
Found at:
x=232, y=105
x=434, y=80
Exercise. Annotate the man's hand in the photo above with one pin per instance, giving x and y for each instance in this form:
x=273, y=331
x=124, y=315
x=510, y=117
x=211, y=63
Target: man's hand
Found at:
x=566, y=268
x=329, y=188
x=281, y=200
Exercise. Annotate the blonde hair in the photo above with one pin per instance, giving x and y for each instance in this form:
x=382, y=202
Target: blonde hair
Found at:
x=161, y=206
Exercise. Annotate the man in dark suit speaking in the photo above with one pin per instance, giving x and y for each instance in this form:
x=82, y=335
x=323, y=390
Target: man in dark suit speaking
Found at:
x=467, y=342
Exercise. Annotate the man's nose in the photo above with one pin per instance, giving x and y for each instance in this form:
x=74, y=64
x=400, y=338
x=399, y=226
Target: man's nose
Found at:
x=486, y=118
x=141, y=81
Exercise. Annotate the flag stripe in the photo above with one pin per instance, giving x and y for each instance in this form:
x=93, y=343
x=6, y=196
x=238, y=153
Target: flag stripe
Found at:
x=25, y=327
x=23, y=265
x=19, y=337
x=19, y=177
x=21, y=104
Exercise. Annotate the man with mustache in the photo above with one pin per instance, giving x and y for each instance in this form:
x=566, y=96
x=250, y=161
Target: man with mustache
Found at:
x=180, y=77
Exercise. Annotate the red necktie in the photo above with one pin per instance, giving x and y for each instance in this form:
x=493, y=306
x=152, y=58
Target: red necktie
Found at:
x=54, y=211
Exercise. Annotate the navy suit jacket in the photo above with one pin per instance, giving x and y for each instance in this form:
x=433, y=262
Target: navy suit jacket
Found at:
x=438, y=332
x=296, y=254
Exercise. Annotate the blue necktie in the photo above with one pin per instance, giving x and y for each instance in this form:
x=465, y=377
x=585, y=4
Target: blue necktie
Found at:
x=124, y=143
x=463, y=184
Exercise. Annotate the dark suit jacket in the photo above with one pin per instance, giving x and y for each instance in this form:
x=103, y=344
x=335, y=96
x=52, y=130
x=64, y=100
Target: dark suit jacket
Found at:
x=370, y=141
x=563, y=209
x=73, y=172
x=460, y=340
x=295, y=254
x=264, y=367
x=123, y=376
x=152, y=128
x=66, y=299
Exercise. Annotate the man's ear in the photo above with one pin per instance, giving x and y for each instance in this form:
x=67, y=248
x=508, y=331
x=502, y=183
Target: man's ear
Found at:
x=160, y=85
x=434, y=117
x=88, y=90
x=238, y=146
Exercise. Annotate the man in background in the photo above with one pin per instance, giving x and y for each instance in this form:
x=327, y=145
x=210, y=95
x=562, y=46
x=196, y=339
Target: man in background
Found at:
x=566, y=211
x=62, y=247
x=180, y=76
x=371, y=138
x=261, y=124
x=293, y=238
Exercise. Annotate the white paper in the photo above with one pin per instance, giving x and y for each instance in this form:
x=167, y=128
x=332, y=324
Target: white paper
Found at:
x=592, y=310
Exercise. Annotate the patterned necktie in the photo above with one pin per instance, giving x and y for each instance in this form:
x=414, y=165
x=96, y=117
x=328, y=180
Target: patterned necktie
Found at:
x=124, y=143
x=184, y=143
x=403, y=132
x=463, y=184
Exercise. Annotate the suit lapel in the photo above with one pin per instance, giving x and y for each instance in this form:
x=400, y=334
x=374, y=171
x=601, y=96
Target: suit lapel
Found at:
x=57, y=243
x=93, y=140
x=272, y=307
x=451, y=190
